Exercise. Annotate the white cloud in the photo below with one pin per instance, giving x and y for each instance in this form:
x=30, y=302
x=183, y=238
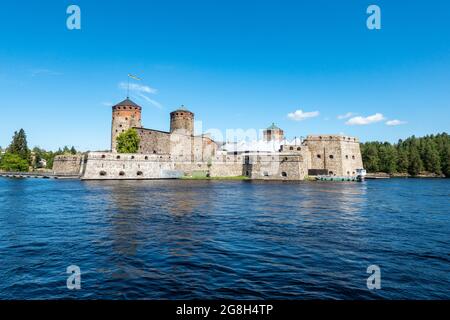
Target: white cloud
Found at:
x=299, y=115
x=107, y=104
x=141, y=92
x=44, y=72
x=395, y=122
x=137, y=88
x=151, y=101
x=360, y=121
x=345, y=116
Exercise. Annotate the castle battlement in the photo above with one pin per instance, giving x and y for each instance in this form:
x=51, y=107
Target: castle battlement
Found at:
x=331, y=137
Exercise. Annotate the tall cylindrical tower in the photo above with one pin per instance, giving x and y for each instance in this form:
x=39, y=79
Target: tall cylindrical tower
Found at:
x=182, y=121
x=125, y=115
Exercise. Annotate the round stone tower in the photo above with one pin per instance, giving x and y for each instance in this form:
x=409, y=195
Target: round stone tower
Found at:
x=273, y=133
x=182, y=121
x=125, y=115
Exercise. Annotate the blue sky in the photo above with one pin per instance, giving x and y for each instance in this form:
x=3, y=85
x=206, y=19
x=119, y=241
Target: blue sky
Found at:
x=236, y=64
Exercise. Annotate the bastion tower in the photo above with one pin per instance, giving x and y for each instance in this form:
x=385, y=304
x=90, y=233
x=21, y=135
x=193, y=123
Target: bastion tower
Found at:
x=182, y=121
x=125, y=115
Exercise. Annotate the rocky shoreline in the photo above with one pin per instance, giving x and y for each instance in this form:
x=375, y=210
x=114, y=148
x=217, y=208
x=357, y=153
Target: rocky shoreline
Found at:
x=384, y=175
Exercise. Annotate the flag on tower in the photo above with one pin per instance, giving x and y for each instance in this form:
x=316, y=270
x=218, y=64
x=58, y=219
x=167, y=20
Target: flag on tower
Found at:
x=134, y=77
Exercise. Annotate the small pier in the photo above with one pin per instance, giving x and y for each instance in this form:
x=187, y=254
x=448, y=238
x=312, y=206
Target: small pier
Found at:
x=37, y=175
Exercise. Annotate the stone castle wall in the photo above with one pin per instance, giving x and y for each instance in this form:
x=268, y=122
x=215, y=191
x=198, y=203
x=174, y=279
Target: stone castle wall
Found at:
x=278, y=166
x=339, y=155
x=199, y=148
x=153, y=141
x=67, y=164
x=114, y=166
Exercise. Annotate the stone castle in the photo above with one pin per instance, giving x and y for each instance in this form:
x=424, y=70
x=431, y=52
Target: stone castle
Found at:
x=180, y=153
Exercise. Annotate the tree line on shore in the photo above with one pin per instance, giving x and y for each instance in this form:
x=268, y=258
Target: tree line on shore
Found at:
x=17, y=157
x=413, y=156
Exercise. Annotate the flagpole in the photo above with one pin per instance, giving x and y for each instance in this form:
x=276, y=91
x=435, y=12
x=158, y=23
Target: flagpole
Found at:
x=128, y=88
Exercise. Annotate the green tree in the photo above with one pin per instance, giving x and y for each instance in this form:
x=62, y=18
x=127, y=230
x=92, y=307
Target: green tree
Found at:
x=415, y=162
x=402, y=160
x=128, y=141
x=370, y=157
x=19, y=145
x=13, y=162
x=431, y=159
x=388, y=158
x=446, y=161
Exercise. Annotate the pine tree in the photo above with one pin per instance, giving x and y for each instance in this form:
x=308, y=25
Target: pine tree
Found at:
x=370, y=157
x=388, y=158
x=19, y=145
x=402, y=160
x=446, y=161
x=431, y=159
x=415, y=162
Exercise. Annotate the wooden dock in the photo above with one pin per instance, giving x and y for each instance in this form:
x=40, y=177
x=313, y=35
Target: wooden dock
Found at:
x=37, y=175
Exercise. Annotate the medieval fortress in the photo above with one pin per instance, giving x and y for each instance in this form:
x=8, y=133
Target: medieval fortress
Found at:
x=180, y=153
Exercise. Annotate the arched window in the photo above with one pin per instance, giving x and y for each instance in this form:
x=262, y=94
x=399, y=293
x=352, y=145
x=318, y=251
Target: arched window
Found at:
x=132, y=157
x=146, y=158
x=353, y=157
x=139, y=173
x=319, y=156
x=118, y=157
x=299, y=149
x=284, y=174
x=291, y=148
x=331, y=156
x=103, y=156
x=121, y=173
x=346, y=157
x=103, y=173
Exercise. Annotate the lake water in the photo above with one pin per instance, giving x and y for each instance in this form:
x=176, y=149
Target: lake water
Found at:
x=224, y=239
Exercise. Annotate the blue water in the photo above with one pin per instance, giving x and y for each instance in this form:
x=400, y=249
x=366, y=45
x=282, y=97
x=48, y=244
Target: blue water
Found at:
x=224, y=239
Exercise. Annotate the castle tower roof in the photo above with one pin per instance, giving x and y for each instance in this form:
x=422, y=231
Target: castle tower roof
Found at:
x=126, y=103
x=182, y=109
x=273, y=127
